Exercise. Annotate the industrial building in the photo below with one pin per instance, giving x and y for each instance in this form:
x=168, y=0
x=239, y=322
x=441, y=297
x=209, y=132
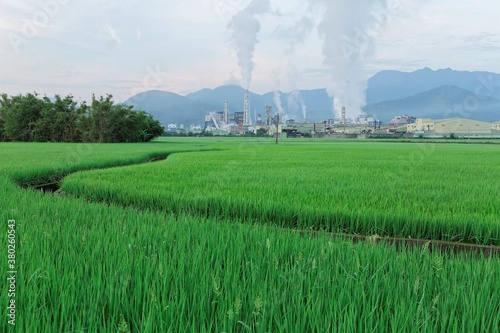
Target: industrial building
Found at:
x=462, y=127
x=220, y=122
x=363, y=126
x=294, y=130
x=366, y=120
x=402, y=120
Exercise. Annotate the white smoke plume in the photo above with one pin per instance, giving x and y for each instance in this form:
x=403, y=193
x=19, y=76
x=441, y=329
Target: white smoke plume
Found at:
x=245, y=27
x=303, y=106
x=295, y=34
x=277, y=102
x=297, y=106
x=349, y=30
x=279, y=106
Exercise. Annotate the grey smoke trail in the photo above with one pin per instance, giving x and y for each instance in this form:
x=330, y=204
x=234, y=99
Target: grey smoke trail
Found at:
x=245, y=27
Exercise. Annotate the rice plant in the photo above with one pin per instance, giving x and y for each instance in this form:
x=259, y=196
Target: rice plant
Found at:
x=94, y=267
x=360, y=188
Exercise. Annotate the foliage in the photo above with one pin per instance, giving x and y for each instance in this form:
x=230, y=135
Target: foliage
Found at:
x=261, y=132
x=30, y=118
x=20, y=114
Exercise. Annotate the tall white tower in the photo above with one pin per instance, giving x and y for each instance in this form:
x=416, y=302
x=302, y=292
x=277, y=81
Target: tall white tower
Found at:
x=269, y=115
x=246, y=110
x=226, y=111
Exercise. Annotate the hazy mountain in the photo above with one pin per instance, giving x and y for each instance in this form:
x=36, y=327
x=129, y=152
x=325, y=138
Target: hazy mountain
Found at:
x=391, y=85
x=235, y=95
x=438, y=94
x=169, y=108
x=439, y=103
x=317, y=102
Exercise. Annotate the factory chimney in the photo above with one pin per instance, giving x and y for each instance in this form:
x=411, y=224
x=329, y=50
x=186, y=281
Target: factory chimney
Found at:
x=226, y=111
x=269, y=115
x=246, y=110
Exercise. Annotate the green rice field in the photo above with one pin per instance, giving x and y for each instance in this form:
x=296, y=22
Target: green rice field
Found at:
x=213, y=239
x=418, y=191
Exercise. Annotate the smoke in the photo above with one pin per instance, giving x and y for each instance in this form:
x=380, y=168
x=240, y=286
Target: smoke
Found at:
x=349, y=30
x=277, y=102
x=297, y=106
x=245, y=27
x=296, y=33
x=279, y=106
x=303, y=107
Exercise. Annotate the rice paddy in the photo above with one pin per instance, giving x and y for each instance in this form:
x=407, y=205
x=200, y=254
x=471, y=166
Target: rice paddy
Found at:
x=425, y=191
x=210, y=241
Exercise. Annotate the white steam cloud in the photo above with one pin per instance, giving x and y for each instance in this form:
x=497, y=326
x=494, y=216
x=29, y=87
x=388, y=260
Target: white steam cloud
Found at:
x=349, y=30
x=277, y=102
x=245, y=27
x=297, y=106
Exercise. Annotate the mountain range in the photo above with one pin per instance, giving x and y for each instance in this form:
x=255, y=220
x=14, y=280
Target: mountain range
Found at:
x=444, y=93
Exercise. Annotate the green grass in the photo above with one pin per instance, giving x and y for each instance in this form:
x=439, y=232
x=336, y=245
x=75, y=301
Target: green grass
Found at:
x=442, y=192
x=93, y=267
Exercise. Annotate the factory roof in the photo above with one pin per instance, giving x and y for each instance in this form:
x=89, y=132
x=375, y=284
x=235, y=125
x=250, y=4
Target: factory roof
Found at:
x=445, y=120
x=454, y=119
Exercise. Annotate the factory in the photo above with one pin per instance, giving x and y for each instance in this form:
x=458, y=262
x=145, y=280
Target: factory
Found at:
x=221, y=123
x=342, y=128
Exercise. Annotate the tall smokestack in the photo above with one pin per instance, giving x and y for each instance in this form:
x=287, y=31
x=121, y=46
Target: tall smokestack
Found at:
x=246, y=110
x=269, y=115
x=226, y=111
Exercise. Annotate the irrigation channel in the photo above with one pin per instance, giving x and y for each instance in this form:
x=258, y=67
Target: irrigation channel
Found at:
x=53, y=188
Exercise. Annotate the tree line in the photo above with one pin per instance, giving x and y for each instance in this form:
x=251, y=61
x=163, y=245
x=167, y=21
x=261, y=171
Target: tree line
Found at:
x=31, y=118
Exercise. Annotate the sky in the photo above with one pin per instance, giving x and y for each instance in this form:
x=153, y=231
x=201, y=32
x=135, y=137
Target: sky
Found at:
x=124, y=47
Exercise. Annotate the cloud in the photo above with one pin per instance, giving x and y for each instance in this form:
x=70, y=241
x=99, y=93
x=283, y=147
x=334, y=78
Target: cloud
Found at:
x=189, y=39
x=113, y=36
x=482, y=42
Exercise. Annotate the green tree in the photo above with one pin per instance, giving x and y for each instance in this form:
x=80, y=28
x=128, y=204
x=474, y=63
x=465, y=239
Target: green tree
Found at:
x=58, y=120
x=84, y=123
x=262, y=132
x=45, y=126
x=3, y=137
x=29, y=118
x=153, y=127
x=20, y=114
x=66, y=119
x=100, y=115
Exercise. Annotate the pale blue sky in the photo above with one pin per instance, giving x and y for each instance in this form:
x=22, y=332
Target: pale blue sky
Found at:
x=125, y=47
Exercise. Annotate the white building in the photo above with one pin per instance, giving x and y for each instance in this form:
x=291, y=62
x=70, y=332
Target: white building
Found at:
x=456, y=126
